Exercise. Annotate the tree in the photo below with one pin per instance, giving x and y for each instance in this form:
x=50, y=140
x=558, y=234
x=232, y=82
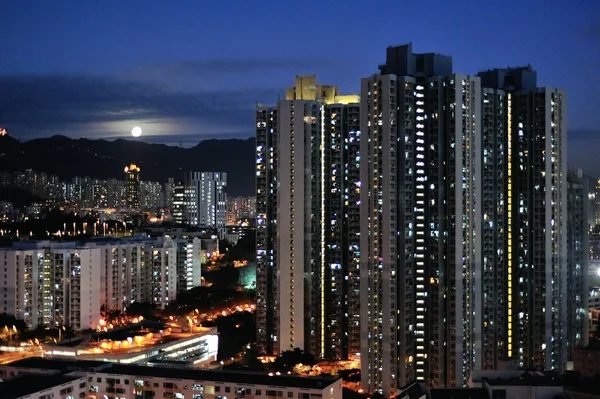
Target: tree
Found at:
x=68, y=332
x=145, y=309
x=289, y=359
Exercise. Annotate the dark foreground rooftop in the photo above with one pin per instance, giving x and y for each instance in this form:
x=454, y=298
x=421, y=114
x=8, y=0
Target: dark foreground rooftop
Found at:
x=32, y=383
x=61, y=365
x=459, y=393
x=239, y=377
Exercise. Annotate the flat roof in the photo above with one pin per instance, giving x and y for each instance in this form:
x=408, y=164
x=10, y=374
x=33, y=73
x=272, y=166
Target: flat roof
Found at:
x=238, y=377
x=459, y=393
x=535, y=381
x=56, y=364
x=32, y=383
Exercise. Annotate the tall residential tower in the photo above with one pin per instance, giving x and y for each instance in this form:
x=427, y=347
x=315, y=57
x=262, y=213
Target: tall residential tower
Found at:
x=463, y=222
x=307, y=222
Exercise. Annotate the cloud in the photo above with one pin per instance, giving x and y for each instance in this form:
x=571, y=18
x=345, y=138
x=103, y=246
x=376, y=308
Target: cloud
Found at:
x=592, y=31
x=583, y=151
x=30, y=105
x=191, y=97
x=236, y=66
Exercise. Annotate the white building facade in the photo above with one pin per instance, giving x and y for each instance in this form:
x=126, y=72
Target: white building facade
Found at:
x=208, y=200
x=58, y=284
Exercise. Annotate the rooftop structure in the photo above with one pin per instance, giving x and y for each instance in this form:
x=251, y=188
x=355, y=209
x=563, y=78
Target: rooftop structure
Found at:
x=35, y=386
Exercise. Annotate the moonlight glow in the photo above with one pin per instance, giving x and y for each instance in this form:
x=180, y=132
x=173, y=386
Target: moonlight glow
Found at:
x=136, y=131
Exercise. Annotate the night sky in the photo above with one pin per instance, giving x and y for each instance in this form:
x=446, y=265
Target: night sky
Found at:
x=188, y=70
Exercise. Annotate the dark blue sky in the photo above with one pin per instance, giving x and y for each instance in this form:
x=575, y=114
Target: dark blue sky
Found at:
x=187, y=70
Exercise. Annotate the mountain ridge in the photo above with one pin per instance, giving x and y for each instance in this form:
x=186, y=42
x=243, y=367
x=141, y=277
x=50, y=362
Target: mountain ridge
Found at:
x=103, y=159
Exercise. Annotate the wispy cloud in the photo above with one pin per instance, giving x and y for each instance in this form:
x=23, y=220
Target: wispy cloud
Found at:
x=195, y=97
x=236, y=66
x=37, y=104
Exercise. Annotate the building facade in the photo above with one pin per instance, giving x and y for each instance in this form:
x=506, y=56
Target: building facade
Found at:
x=208, y=198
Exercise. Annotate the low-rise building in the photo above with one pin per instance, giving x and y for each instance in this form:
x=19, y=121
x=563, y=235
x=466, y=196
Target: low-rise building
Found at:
x=133, y=382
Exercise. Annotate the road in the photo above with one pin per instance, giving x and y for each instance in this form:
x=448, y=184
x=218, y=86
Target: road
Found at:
x=9, y=357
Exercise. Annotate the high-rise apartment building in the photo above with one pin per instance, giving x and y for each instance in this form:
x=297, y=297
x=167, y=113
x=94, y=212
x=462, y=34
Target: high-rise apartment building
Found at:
x=533, y=274
x=305, y=167
x=463, y=222
x=132, y=186
x=578, y=210
x=169, y=193
x=207, y=199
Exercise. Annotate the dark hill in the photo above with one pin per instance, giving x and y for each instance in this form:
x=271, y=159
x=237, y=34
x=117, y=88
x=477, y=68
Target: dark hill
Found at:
x=103, y=159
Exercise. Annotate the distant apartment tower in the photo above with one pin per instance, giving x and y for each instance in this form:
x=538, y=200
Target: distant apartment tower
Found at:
x=207, y=199
x=179, y=203
x=463, y=194
x=306, y=166
x=132, y=186
x=239, y=208
x=114, y=193
x=169, y=193
x=151, y=195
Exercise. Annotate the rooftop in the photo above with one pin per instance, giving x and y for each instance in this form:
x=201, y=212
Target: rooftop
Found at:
x=29, y=384
x=64, y=365
x=527, y=380
x=238, y=377
x=459, y=393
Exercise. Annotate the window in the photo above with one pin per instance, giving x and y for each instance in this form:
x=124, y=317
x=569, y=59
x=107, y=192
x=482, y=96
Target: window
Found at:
x=290, y=394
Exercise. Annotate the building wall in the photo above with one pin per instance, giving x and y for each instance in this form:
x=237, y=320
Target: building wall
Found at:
x=71, y=389
x=298, y=228
x=128, y=386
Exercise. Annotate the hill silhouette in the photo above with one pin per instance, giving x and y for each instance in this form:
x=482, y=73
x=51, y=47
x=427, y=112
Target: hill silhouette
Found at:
x=66, y=157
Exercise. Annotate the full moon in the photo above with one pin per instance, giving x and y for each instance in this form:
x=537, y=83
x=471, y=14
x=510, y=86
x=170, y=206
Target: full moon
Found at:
x=136, y=131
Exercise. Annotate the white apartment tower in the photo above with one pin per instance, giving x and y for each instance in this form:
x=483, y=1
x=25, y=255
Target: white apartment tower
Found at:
x=463, y=222
x=52, y=285
x=207, y=199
